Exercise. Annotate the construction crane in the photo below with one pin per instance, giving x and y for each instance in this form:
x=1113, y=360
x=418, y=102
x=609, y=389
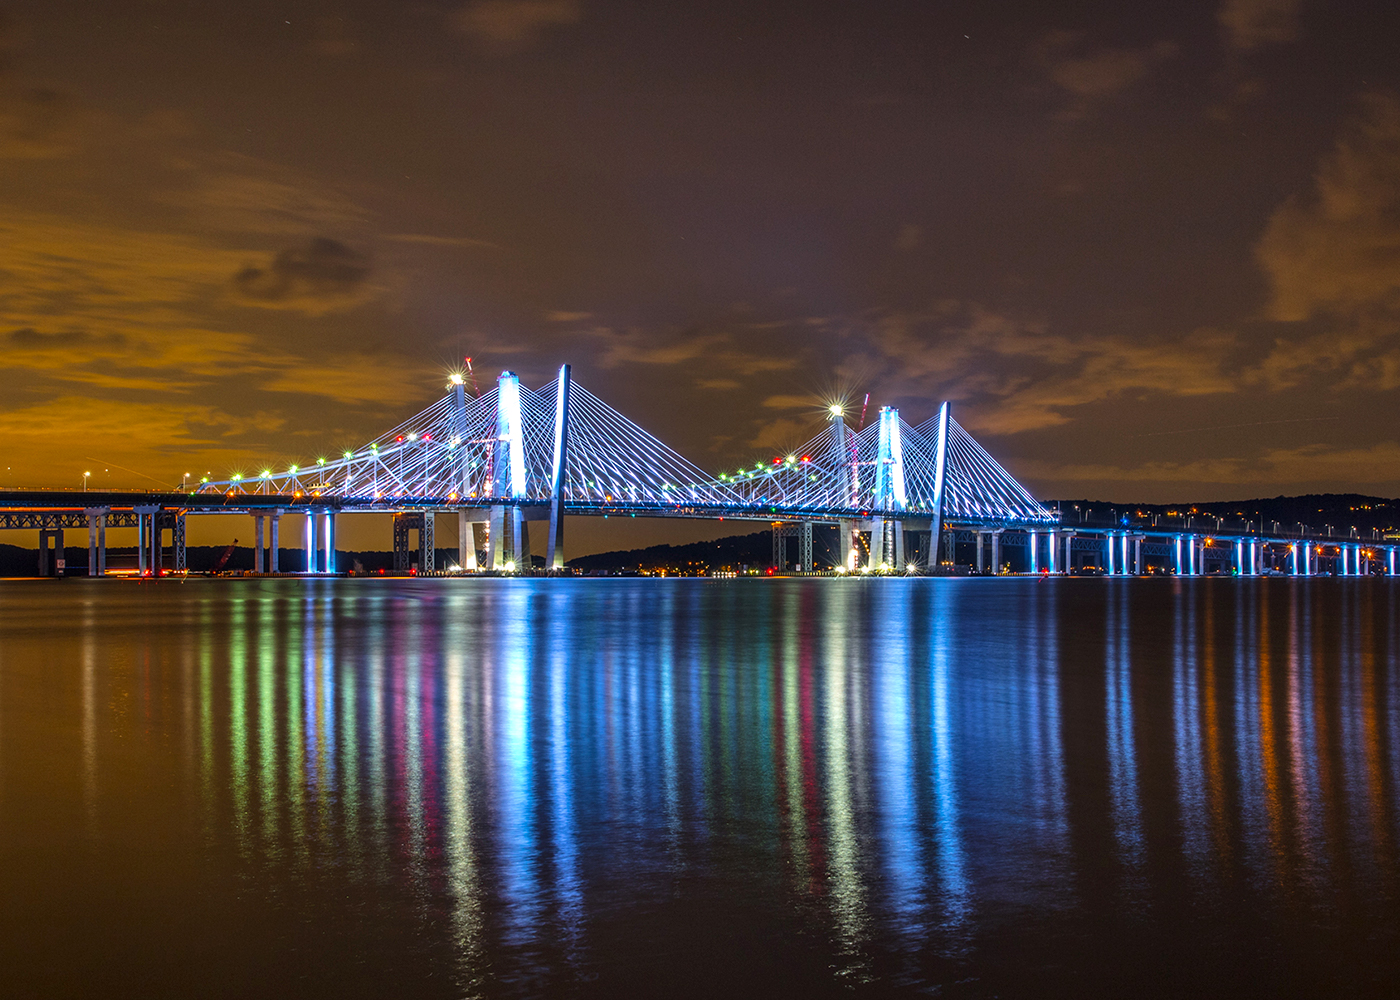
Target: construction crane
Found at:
x=223, y=559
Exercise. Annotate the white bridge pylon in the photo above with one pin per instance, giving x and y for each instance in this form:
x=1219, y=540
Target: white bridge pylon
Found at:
x=564, y=447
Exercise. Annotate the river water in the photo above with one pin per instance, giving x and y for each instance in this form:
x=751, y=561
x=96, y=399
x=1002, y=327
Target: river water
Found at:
x=787, y=788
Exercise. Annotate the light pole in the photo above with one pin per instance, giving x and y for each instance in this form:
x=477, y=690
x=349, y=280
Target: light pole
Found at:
x=85, y=479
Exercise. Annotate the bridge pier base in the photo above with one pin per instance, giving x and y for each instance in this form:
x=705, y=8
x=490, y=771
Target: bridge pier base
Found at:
x=466, y=542
x=57, y=566
x=328, y=536
x=97, y=540
x=258, y=552
x=272, y=560
x=996, y=552
x=846, y=529
x=495, y=536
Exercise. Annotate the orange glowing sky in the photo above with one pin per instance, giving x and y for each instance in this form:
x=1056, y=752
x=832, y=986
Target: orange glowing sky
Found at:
x=1147, y=255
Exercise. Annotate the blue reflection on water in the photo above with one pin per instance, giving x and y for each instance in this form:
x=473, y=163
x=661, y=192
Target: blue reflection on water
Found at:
x=904, y=774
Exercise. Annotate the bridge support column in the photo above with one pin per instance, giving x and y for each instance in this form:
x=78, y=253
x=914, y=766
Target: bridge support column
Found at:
x=466, y=542
x=427, y=543
x=897, y=536
x=328, y=536
x=1108, y=555
x=520, y=541
x=308, y=533
x=147, y=540
x=980, y=566
x=177, y=542
x=804, y=548
x=554, y=550
x=258, y=552
x=847, y=529
x=157, y=548
x=272, y=559
x=97, y=540
x=57, y=566
x=495, y=539
x=996, y=552
x=1031, y=549
x=1137, y=554
x=1390, y=561
x=402, y=524
x=877, y=543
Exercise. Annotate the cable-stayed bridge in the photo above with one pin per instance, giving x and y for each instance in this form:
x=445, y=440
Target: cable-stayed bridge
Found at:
x=902, y=496
x=514, y=455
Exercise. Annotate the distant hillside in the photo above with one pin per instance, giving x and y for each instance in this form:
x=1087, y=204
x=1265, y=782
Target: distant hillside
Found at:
x=732, y=553
x=1341, y=510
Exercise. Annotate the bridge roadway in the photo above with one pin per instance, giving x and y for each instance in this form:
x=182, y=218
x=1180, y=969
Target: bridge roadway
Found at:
x=1185, y=546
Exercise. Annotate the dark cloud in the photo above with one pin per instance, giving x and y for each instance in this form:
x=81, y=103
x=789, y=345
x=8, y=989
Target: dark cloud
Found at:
x=325, y=272
x=1091, y=75
x=1255, y=24
x=513, y=24
x=27, y=337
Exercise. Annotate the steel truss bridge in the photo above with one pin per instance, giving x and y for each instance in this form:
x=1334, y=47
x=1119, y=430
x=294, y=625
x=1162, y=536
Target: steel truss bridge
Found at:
x=515, y=455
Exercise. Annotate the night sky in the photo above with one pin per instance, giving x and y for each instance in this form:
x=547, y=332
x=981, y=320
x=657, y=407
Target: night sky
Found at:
x=1149, y=251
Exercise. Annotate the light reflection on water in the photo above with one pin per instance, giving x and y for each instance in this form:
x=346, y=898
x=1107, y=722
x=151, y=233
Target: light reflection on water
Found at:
x=516, y=787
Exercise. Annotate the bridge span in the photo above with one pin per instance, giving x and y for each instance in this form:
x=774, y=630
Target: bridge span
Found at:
x=902, y=497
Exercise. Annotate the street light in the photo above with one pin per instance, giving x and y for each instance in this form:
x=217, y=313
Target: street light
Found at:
x=85, y=479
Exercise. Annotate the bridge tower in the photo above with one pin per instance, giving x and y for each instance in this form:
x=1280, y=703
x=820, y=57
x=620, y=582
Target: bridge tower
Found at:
x=890, y=494
x=940, y=472
x=554, y=551
x=508, y=540
x=846, y=484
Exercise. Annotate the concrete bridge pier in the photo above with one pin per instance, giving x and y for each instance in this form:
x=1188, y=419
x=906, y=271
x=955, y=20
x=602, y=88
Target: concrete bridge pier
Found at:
x=520, y=541
x=328, y=539
x=981, y=569
x=996, y=552
x=495, y=535
x=272, y=559
x=846, y=528
x=1065, y=539
x=97, y=540
x=466, y=538
x=148, y=545
x=57, y=566
x=258, y=543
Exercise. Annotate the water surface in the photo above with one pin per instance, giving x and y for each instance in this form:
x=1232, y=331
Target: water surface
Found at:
x=800, y=788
